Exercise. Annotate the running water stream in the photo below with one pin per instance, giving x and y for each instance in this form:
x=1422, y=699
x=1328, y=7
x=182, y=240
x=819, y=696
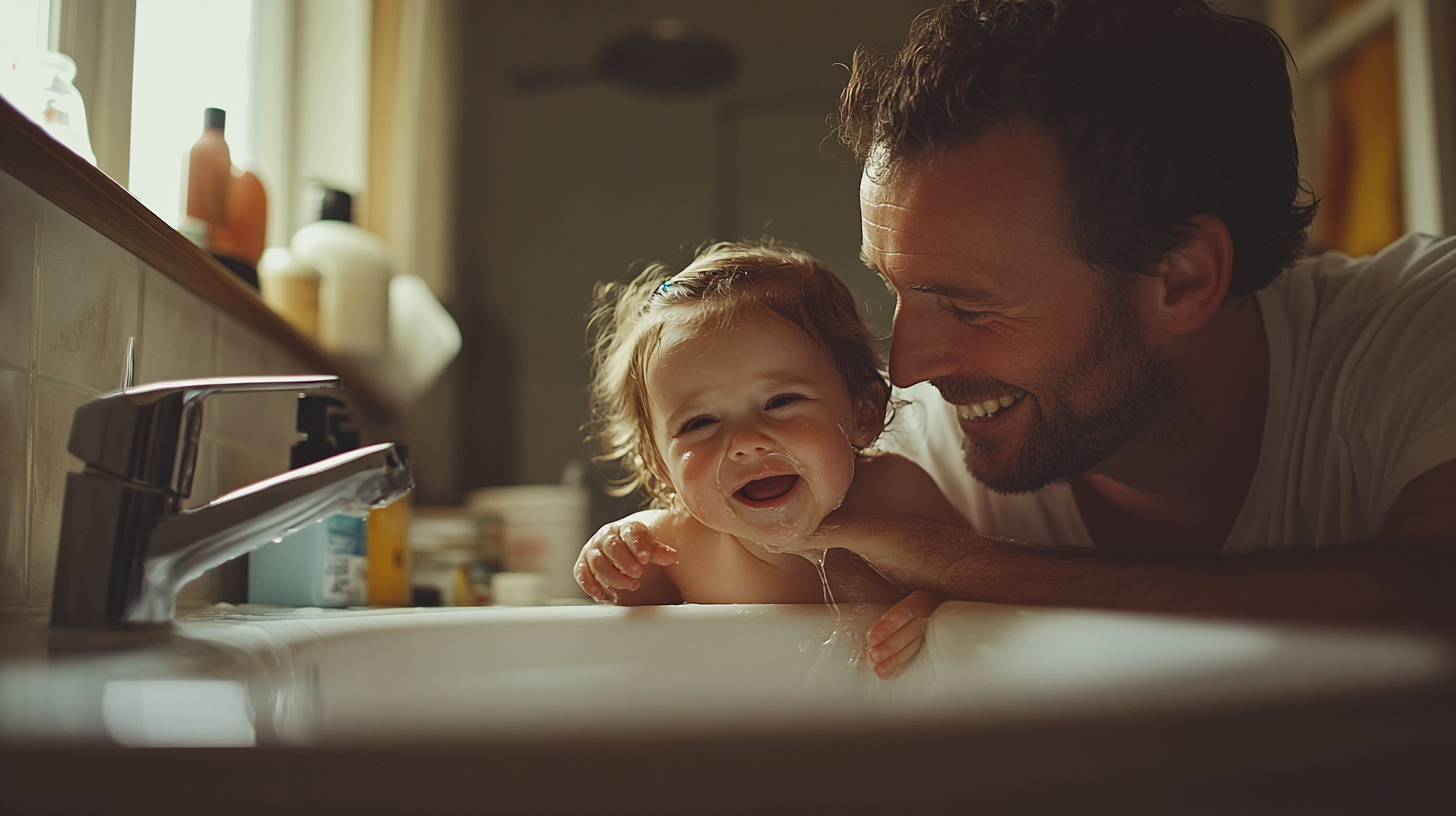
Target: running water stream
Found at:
x=826, y=647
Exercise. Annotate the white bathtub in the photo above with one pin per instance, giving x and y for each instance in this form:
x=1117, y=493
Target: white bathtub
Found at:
x=724, y=708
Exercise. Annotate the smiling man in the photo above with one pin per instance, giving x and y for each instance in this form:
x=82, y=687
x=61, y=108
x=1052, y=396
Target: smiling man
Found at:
x=1113, y=359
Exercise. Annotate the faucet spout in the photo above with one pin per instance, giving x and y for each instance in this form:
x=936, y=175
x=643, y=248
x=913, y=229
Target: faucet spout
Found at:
x=127, y=546
x=191, y=542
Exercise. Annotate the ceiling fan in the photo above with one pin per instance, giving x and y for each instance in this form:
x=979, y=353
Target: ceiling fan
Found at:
x=661, y=57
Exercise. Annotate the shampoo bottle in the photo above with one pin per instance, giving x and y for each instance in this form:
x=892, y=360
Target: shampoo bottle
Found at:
x=322, y=564
x=353, y=280
x=207, y=172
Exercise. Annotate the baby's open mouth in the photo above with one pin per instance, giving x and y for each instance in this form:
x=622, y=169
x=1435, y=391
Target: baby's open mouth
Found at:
x=768, y=489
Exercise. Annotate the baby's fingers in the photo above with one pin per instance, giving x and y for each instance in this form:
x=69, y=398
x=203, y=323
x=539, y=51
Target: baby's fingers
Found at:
x=897, y=648
x=622, y=552
x=916, y=606
x=895, y=639
x=886, y=666
x=589, y=583
x=607, y=573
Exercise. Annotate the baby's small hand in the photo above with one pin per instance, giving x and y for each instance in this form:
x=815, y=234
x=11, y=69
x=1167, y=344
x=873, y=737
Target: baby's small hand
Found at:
x=896, y=637
x=616, y=557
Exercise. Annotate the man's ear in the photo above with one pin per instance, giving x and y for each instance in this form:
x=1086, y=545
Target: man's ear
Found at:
x=1194, y=278
x=869, y=414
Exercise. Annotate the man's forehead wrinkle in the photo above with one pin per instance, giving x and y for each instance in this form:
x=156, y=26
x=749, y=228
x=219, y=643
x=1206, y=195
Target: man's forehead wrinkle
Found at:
x=952, y=290
x=957, y=207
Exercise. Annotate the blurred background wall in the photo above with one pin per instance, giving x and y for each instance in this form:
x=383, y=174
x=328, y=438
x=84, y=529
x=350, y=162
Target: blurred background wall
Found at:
x=563, y=185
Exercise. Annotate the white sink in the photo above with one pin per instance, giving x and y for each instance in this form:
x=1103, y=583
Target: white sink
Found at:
x=673, y=680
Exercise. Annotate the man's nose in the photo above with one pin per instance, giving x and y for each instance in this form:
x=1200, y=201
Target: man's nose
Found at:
x=921, y=347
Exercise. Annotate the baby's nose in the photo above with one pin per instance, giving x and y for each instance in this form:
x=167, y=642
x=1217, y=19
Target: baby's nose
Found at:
x=748, y=441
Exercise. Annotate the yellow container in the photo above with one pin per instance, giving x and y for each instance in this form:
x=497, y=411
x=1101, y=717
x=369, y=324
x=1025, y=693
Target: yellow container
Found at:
x=389, y=554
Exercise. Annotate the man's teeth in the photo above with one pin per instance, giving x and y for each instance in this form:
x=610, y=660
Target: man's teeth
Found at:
x=980, y=410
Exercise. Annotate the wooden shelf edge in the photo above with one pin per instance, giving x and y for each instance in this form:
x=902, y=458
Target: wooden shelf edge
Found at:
x=65, y=179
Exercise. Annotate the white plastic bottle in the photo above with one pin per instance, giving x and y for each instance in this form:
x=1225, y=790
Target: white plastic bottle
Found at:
x=353, y=309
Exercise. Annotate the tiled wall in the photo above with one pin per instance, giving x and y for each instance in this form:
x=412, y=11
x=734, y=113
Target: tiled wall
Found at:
x=69, y=299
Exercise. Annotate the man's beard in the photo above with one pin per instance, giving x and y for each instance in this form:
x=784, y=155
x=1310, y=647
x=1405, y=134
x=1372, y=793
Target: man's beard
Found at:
x=1115, y=389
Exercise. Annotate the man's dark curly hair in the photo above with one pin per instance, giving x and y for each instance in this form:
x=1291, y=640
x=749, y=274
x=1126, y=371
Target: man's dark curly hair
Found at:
x=1162, y=109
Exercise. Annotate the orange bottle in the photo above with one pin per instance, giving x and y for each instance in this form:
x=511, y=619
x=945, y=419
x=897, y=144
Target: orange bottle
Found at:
x=209, y=172
x=243, y=233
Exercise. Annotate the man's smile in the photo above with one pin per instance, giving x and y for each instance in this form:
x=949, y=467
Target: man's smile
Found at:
x=984, y=410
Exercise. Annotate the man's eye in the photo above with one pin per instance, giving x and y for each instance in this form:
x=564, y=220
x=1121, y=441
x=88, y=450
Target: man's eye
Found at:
x=695, y=424
x=783, y=399
x=967, y=316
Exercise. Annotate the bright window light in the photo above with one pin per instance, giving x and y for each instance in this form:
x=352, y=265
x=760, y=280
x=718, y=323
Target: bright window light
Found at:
x=24, y=26
x=190, y=55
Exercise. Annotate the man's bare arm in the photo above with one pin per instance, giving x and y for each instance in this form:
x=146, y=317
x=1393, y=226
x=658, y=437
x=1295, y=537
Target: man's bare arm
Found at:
x=1408, y=579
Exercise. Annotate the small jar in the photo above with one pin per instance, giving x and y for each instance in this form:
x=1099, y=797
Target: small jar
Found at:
x=291, y=288
x=451, y=550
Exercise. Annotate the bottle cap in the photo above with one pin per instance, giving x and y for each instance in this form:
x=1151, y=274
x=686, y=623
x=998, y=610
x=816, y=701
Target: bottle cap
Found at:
x=214, y=118
x=336, y=205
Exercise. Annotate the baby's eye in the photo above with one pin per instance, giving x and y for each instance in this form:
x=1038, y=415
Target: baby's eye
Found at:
x=695, y=424
x=782, y=400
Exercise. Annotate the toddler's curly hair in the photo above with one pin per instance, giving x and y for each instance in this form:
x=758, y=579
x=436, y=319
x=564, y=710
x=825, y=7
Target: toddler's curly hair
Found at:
x=725, y=281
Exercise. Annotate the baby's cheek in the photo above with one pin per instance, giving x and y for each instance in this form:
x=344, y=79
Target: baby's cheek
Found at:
x=698, y=487
x=834, y=463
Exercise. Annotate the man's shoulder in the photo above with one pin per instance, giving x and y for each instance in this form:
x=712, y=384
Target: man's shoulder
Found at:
x=1332, y=307
x=1415, y=261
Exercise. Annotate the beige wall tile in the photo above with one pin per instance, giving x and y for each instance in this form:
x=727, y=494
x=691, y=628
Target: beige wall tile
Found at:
x=14, y=481
x=179, y=332
x=88, y=302
x=18, y=207
x=55, y=405
x=240, y=464
x=263, y=421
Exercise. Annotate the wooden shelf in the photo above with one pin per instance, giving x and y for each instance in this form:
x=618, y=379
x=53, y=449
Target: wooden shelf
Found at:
x=29, y=154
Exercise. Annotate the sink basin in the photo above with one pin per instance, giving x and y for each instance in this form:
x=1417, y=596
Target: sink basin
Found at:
x=1026, y=706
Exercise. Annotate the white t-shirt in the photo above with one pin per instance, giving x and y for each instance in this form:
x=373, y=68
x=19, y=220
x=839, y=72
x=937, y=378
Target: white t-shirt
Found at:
x=1362, y=399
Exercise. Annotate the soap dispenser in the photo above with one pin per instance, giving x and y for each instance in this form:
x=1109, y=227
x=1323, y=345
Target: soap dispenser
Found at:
x=324, y=563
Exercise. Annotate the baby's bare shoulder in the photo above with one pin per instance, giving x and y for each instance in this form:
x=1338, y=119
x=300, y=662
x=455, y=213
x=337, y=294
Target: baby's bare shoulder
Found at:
x=676, y=528
x=887, y=484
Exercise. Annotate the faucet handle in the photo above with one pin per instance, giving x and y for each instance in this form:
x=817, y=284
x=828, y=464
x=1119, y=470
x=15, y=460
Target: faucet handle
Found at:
x=149, y=434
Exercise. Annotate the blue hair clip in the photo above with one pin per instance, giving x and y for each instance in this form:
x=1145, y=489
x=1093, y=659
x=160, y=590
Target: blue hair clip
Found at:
x=662, y=289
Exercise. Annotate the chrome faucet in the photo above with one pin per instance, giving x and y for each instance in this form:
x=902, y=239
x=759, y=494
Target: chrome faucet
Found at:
x=127, y=546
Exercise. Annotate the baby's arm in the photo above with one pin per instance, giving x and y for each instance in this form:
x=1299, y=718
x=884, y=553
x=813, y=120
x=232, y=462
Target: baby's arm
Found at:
x=624, y=561
x=892, y=485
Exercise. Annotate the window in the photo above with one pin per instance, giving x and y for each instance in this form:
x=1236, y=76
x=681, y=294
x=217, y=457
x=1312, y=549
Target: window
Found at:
x=1374, y=111
x=189, y=55
x=24, y=26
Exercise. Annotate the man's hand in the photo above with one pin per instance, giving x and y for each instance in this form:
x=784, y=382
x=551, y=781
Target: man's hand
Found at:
x=617, y=556
x=896, y=637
